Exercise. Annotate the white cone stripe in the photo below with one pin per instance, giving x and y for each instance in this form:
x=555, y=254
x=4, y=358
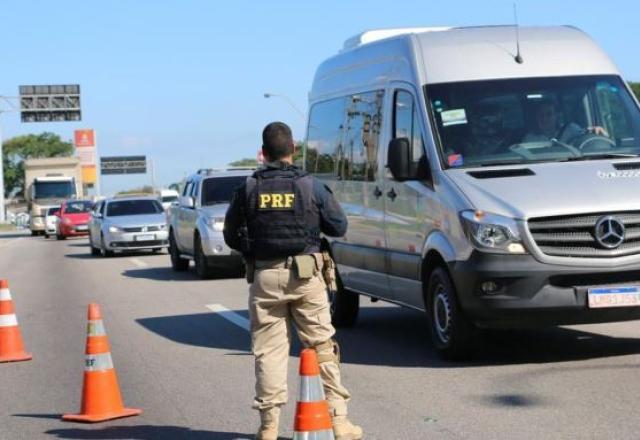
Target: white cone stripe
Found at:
x=315, y=435
x=5, y=295
x=8, y=321
x=98, y=362
x=96, y=328
x=311, y=389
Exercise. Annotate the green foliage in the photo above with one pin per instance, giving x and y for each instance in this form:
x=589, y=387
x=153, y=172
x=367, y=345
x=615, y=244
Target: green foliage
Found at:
x=246, y=162
x=19, y=148
x=147, y=189
x=635, y=86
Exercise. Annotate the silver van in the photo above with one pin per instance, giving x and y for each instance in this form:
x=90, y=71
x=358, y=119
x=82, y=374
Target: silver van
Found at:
x=487, y=185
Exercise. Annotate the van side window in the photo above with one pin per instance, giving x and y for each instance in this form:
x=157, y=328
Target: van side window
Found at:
x=406, y=124
x=344, y=135
x=363, y=122
x=324, y=141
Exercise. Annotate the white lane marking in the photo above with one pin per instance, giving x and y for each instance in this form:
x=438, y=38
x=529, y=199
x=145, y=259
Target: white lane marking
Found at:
x=230, y=316
x=138, y=262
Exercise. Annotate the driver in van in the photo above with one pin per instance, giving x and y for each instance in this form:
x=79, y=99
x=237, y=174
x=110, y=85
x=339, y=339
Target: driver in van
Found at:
x=548, y=126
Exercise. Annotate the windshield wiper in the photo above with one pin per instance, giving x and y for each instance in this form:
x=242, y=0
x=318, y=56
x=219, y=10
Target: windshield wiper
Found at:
x=505, y=162
x=599, y=156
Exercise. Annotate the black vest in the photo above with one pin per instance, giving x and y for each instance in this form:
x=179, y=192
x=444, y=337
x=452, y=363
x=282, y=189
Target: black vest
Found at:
x=282, y=214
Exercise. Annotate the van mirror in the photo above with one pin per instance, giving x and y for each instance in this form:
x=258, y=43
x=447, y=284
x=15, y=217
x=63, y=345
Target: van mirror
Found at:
x=398, y=159
x=186, y=202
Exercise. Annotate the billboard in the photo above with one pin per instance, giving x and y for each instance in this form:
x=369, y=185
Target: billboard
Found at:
x=85, y=143
x=50, y=103
x=123, y=165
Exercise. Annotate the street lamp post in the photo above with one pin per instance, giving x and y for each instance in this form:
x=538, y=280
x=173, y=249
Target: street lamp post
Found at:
x=7, y=100
x=289, y=101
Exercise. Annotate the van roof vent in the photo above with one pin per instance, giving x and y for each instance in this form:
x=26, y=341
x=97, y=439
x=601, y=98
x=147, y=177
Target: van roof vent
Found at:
x=627, y=166
x=497, y=174
x=380, y=34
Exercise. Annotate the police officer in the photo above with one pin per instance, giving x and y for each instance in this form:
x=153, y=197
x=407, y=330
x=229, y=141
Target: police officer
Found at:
x=275, y=220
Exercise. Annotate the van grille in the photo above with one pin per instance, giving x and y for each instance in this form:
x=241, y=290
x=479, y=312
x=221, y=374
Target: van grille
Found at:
x=574, y=236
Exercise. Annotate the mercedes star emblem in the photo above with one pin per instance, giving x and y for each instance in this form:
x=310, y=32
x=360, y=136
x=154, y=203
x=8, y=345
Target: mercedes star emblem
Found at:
x=610, y=232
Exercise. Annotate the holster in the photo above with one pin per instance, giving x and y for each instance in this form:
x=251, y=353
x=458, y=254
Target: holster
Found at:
x=329, y=271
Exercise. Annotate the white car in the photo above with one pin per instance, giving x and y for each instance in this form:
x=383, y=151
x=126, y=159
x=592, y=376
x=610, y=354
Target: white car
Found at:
x=168, y=197
x=127, y=224
x=51, y=221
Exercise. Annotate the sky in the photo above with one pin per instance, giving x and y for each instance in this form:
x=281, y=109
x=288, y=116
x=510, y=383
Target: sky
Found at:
x=183, y=81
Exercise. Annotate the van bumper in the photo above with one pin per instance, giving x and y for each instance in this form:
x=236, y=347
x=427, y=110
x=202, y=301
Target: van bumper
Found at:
x=531, y=293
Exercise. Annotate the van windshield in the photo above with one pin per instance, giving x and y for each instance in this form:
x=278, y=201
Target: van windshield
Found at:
x=512, y=121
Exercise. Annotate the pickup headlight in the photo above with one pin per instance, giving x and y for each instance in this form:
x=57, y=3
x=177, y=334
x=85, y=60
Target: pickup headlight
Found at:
x=216, y=223
x=113, y=229
x=492, y=233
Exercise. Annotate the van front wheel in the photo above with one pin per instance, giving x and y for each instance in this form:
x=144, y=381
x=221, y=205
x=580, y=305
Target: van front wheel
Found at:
x=451, y=332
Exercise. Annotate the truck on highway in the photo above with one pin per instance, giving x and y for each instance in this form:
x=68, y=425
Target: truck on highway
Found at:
x=485, y=185
x=49, y=182
x=196, y=223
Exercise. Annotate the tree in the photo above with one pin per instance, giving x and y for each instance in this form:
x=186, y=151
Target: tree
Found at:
x=635, y=86
x=246, y=162
x=19, y=148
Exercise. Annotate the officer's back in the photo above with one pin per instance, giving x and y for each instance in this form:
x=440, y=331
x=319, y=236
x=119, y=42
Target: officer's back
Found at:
x=275, y=219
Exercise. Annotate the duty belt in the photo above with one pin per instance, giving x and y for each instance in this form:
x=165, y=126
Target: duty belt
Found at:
x=284, y=263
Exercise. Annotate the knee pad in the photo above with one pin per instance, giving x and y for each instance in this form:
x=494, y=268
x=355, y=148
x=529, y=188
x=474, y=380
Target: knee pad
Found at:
x=328, y=351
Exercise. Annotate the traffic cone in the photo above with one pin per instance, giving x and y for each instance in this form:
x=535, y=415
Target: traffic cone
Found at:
x=11, y=346
x=101, y=399
x=312, y=410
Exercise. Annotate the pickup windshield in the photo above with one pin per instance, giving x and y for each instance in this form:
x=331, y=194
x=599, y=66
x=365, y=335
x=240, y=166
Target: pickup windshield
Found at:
x=514, y=121
x=54, y=190
x=133, y=207
x=220, y=189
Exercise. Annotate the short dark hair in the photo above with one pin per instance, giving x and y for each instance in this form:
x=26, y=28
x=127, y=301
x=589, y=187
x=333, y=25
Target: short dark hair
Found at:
x=277, y=141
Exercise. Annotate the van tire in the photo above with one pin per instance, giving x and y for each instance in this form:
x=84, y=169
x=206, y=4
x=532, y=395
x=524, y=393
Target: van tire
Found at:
x=452, y=333
x=344, y=305
x=178, y=264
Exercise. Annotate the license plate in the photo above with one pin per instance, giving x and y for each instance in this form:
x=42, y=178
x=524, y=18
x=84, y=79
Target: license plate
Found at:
x=602, y=297
x=81, y=228
x=145, y=237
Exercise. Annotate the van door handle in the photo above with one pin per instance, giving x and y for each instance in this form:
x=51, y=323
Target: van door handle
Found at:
x=392, y=194
x=377, y=193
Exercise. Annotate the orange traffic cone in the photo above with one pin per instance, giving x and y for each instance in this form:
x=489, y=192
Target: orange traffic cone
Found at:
x=11, y=346
x=101, y=399
x=312, y=410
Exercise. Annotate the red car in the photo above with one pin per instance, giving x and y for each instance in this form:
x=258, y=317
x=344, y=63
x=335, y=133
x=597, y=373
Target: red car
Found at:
x=73, y=218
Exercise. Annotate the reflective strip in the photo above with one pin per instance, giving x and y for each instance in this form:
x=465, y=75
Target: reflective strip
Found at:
x=96, y=328
x=5, y=295
x=311, y=389
x=8, y=321
x=315, y=435
x=98, y=362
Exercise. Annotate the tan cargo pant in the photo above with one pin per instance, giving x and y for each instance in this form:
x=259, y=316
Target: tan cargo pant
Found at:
x=276, y=300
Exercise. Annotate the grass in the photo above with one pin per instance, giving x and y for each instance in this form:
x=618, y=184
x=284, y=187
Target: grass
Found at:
x=6, y=227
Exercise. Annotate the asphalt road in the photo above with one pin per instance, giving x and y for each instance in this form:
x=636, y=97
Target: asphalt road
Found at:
x=189, y=368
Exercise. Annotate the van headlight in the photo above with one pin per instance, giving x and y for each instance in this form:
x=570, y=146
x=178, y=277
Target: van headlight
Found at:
x=216, y=223
x=492, y=233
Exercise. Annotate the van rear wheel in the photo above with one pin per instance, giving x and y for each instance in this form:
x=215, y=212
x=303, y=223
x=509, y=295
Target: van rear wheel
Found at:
x=344, y=305
x=452, y=333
